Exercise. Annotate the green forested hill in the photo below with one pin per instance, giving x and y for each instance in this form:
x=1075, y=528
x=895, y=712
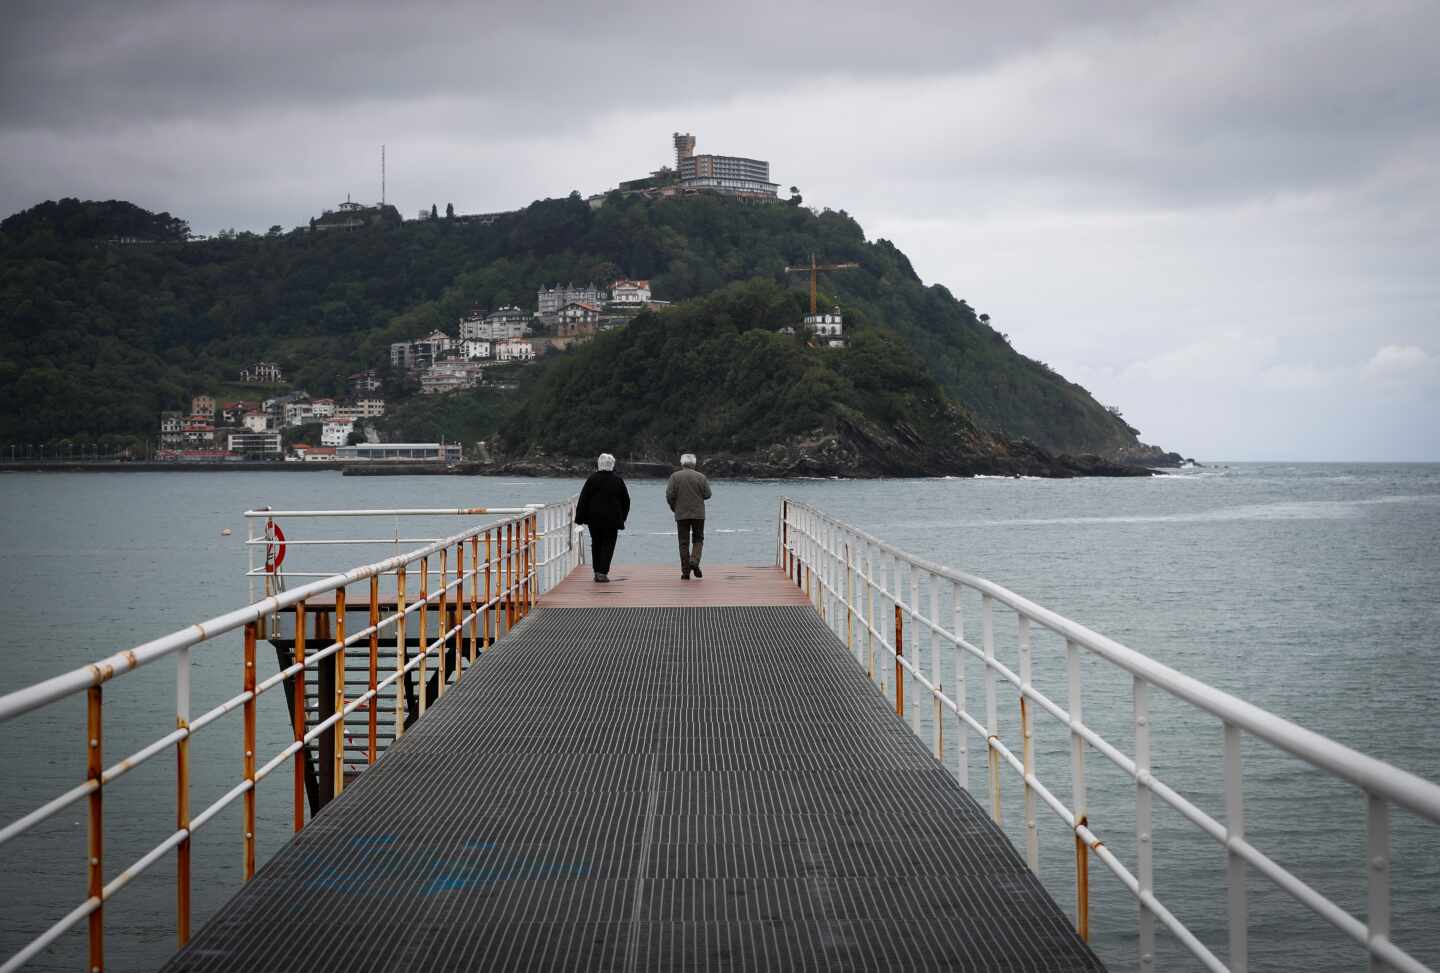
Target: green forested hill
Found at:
x=98, y=336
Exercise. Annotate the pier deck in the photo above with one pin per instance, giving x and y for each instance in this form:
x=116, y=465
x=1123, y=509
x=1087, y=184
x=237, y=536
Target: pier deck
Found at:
x=651, y=775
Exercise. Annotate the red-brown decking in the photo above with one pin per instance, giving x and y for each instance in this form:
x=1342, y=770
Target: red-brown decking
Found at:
x=659, y=586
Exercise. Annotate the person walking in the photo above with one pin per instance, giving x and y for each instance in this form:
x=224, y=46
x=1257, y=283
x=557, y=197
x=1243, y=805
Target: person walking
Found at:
x=604, y=506
x=686, y=494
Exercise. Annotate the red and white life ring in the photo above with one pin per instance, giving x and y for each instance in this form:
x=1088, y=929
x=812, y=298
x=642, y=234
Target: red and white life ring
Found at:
x=274, y=547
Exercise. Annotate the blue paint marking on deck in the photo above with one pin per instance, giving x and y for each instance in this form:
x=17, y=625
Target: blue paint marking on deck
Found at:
x=650, y=789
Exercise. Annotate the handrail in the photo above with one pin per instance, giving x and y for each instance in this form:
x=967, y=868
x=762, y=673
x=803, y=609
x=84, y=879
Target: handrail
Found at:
x=837, y=564
x=525, y=554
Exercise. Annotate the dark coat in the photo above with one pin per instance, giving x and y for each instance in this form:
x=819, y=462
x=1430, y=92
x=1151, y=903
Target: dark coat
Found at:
x=604, y=501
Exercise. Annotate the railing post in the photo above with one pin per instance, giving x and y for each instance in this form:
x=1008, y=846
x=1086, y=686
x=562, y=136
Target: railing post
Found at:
x=1377, y=925
x=401, y=650
x=914, y=633
x=457, y=610
x=372, y=712
x=298, y=716
x=474, y=595
x=1032, y=836
x=1144, y=863
x=1079, y=798
x=485, y=638
x=899, y=668
x=94, y=767
x=424, y=635
x=992, y=711
x=849, y=598
x=509, y=580
x=784, y=553
x=443, y=619
x=868, y=568
x=248, y=764
x=1234, y=864
x=182, y=796
x=337, y=662
x=961, y=699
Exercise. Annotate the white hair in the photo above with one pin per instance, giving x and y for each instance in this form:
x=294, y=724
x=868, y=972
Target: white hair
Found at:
x=687, y=459
x=605, y=462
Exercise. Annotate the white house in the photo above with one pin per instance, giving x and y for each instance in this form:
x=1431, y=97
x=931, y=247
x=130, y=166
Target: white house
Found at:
x=514, y=349
x=630, y=292
x=257, y=422
x=323, y=408
x=298, y=413
x=577, y=317
x=473, y=348
x=336, y=433
x=828, y=328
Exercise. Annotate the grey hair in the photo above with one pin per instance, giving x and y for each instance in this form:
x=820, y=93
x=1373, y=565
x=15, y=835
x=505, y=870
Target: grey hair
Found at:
x=688, y=459
x=605, y=462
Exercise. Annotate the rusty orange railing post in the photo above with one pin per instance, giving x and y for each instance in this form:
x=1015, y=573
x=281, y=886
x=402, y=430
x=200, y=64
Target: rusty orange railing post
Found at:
x=372, y=721
x=474, y=594
x=1082, y=881
x=337, y=731
x=458, y=611
x=248, y=763
x=298, y=715
x=899, y=668
x=96, y=866
x=485, y=637
x=401, y=650
x=443, y=618
x=424, y=630
x=182, y=797
x=509, y=577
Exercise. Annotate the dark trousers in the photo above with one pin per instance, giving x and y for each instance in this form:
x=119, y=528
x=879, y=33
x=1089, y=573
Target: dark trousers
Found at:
x=602, y=546
x=688, y=531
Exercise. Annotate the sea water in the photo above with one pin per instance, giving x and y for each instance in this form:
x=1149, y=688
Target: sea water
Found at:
x=1307, y=589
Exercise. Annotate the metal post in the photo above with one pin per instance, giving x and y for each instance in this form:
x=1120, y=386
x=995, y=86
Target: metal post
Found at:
x=94, y=767
x=916, y=659
x=400, y=654
x=248, y=764
x=1032, y=837
x=372, y=712
x=509, y=576
x=849, y=599
x=1377, y=926
x=182, y=796
x=899, y=668
x=868, y=567
x=961, y=699
x=992, y=712
x=298, y=716
x=1234, y=864
x=1079, y=798
x=443, y=618
x=337, y=662
x=1144, y=864
x=485, y=637
x=424, y=632
x=474, y=594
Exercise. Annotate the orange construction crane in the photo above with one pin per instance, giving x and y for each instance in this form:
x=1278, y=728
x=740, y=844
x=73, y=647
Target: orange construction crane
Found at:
x=813, y=269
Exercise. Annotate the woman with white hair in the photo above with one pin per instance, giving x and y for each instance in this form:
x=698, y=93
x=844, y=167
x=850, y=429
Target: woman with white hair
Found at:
x=603, y=507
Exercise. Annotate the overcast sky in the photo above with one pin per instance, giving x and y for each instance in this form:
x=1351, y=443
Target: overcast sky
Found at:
x=1222, y=217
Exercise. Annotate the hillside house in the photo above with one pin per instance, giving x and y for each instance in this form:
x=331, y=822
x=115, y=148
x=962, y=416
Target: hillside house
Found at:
x=203, y=405
x=514, y=349
x=550, y=300
x=255, y=445
x=262, y=373
x=577, y=318
x=363, y=382
x=630, y=291
x=336, y=433
x=450, y=376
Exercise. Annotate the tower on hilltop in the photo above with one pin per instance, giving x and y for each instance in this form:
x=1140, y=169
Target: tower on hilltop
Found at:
x=684, y=148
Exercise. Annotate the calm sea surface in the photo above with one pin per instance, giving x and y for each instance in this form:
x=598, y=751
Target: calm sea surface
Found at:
x=1310, y=590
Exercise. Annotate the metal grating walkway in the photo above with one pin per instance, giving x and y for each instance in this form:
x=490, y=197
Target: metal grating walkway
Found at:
x=650, y=789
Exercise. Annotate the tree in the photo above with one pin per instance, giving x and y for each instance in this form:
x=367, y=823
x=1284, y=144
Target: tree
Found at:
x=449, y=211
x=434, y=213
x=275, y=231
x=795, y=198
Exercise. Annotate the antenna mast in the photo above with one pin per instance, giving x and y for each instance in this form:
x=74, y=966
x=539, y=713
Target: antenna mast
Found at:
x=382, y=174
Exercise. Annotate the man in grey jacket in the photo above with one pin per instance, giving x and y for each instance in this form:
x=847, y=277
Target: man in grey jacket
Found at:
x=686, y=494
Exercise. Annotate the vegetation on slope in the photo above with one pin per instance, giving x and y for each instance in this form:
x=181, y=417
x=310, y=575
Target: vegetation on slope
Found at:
x=98, y=337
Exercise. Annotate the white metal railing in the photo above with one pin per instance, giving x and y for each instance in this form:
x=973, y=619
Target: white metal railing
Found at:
x=525, y=553
x=870, y=593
